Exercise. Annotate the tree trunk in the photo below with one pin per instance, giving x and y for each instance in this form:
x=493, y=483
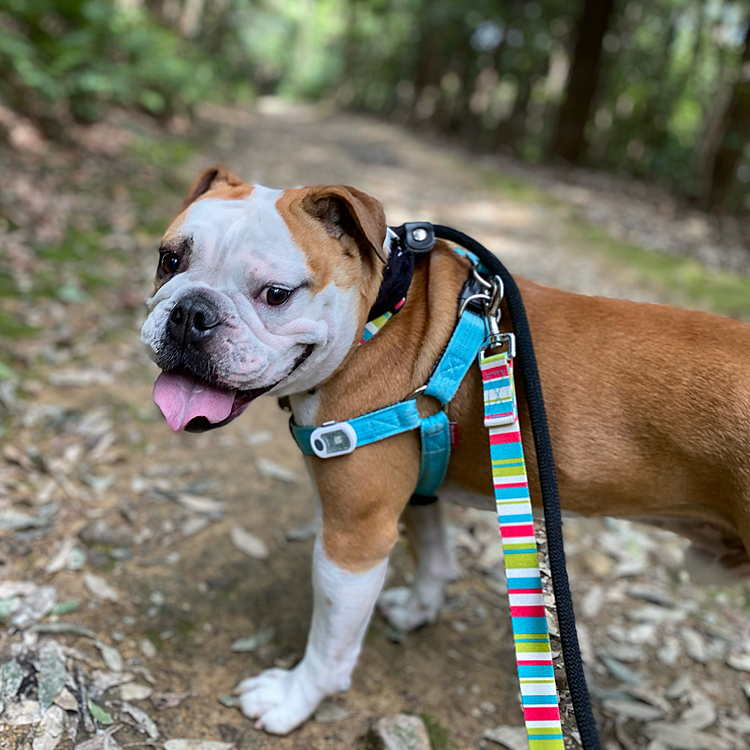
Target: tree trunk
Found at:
x=569, y=141
x=735, y=133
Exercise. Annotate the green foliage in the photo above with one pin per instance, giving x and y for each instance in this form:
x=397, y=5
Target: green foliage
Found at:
x=77, y=56
x=491, y=72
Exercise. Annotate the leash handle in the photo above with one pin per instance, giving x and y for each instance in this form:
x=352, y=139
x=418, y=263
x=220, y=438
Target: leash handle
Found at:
x=536, y=674
x=548, y=480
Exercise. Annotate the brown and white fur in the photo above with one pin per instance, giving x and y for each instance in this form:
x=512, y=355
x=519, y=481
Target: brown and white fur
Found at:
x=649, y=405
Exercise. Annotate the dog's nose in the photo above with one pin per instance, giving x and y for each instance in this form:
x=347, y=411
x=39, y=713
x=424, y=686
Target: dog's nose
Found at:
x=192, y=320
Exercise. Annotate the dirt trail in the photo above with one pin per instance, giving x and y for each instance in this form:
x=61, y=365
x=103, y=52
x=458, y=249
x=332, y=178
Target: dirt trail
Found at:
x=185, y=594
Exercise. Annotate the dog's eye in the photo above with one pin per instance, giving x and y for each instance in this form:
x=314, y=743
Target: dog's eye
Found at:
x=169, y=262
x=276, y=295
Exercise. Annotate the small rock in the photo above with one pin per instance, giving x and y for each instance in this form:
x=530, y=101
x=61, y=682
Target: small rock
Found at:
x=739, y=724
x=301, y=533
x=34, y=607
x=164, y=701
x=203, y=505
x=643, y=633
x=66, y=700
x=147, y=648
x=80, y=378
x=700, y=716
x=258, y=438
x=11, y=677
x=654, y=613
x=633, y=710
x=397, y=732
x=512, y=738
x=111, y=656
x=650, y=595
x=740, y=662
x=682, y=738
x=681, y=686
x=134, y=691
x=193, y=525
x=50, y=730
x=492, y=555
x=197, y=745
x=330, y=712
x=592, y=602
x=598, y=563
x=99, y=588
x=22, y=713
x=59, y=561
x=621, y=672
x=625, y=653
x=100, y=532
x=275, y=471
x=252, y=643
x=695, y=645
x=230, y=701
x=248, y=543
x=52, y=676
x=669, y=653
x=139, y=719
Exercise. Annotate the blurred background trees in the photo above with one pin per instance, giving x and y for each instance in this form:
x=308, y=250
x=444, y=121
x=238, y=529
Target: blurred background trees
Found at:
x=658, y=90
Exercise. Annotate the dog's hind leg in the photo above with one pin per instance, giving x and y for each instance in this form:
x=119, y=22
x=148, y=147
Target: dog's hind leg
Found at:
x=409, y=608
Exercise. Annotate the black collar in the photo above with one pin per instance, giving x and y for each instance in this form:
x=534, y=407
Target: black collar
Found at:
x=407, y=241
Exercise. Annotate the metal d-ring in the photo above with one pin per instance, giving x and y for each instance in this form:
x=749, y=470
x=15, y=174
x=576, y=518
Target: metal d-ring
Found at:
x=485, y=298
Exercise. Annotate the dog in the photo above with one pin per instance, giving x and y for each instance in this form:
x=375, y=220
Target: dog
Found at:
x=262, y=291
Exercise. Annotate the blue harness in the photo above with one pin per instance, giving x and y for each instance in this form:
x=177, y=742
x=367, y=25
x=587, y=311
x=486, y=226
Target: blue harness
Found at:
x=340, y=438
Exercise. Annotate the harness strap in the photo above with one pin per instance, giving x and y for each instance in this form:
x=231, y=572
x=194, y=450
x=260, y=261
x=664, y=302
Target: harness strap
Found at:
x=435, y=436
x=369, y=428
x=458, y=356
x=340, y=438
x=531, y=638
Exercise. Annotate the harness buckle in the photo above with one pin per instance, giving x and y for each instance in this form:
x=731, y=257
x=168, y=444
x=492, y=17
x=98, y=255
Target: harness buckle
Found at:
x=333, y=439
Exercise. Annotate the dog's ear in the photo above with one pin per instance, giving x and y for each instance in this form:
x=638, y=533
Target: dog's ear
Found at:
x=347, y=212
x=209, y=180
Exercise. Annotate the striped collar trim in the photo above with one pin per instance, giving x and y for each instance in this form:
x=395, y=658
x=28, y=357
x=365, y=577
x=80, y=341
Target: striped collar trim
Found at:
x=374, y=326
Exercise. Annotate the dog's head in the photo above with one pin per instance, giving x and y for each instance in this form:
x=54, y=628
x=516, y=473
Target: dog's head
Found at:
x=259, y=291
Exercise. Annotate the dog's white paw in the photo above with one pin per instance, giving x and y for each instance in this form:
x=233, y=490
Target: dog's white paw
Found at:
x=280, y=699
x=406, y=610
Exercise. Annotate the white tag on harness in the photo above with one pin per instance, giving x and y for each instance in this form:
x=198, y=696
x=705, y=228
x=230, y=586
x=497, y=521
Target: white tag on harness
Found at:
x=333, y=439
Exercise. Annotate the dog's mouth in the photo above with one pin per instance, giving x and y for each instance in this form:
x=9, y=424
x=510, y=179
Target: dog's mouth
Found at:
x=193, y=404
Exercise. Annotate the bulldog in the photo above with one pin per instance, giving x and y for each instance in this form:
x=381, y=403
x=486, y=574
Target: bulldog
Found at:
x=263, y=291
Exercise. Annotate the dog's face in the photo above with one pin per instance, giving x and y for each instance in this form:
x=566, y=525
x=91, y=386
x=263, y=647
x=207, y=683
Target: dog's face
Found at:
x=259, y=291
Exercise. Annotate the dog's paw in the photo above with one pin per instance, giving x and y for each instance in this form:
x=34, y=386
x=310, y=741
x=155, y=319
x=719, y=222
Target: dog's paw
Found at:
x=280, y=699
x=403, y=608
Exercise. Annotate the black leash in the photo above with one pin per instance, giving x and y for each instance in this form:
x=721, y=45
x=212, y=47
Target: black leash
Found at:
x=420, y=238
x=579, y=693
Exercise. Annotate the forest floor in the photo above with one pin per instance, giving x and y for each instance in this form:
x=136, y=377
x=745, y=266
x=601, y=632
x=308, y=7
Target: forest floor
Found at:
x=119, y=576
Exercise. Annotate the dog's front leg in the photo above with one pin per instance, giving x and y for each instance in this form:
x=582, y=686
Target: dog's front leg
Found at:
x=282, y=699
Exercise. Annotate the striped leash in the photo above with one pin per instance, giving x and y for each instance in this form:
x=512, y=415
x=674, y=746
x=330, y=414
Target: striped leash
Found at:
x=531, y=638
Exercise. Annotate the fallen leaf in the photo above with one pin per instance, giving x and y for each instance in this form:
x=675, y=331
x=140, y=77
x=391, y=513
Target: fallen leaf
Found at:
x=99, y=588
x=163, y=701
x=252, y=643
x=275, y=471
x=198, y=504
x=140, y=719
x=197, y=745
x=248, y=543
x=512, y=738
x=100, y=714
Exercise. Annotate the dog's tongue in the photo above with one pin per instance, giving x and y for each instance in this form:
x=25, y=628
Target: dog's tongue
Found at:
x=182, y=397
